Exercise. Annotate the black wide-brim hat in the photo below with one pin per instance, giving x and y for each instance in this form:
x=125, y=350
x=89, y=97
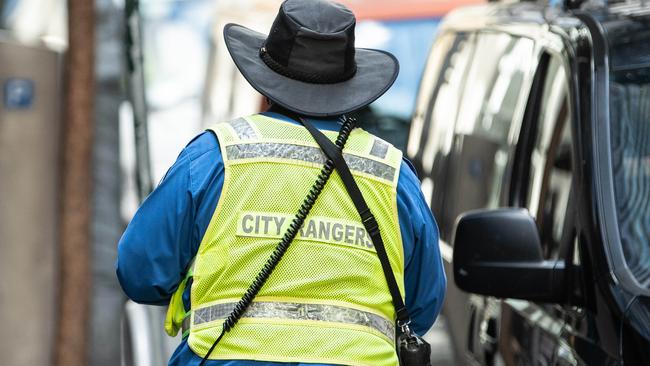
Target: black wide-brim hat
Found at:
x=308, y=63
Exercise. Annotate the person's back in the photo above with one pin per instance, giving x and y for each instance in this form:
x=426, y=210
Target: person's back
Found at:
x=242, y=185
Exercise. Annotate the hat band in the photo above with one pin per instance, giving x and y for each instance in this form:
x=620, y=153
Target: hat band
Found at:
x=312, y=78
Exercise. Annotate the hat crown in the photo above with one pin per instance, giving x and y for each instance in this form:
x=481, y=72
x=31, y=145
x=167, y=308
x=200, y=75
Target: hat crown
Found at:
x=312, y=41
x=320, y=16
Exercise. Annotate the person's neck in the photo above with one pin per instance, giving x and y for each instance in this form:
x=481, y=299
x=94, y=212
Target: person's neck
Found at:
x=330, y=124
x=275, y=108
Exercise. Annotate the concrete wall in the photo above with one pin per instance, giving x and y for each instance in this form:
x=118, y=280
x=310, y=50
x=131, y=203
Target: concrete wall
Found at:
x=29, y=165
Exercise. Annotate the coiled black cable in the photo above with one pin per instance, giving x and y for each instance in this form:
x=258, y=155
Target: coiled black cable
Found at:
x=289, y=235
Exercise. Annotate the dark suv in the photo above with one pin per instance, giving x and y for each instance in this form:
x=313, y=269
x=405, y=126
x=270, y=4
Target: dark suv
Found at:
x=532, y=140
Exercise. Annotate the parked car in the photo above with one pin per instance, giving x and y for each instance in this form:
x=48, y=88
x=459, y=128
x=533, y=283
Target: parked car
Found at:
x=533, y=124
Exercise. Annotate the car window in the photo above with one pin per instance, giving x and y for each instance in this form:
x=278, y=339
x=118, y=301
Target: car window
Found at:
x=549, y=184
x=444, y=104
x=432, y=128
x=488, y=112
x=445, y=46
x=629, y=107
x=489, y=102
x=494, y=82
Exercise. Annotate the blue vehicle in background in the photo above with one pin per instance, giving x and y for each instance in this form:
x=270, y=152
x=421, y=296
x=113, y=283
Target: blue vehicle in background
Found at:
x=409, y=40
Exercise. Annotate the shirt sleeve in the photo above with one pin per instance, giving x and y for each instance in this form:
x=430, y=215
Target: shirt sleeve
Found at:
x=164, y=235
x=425, y=282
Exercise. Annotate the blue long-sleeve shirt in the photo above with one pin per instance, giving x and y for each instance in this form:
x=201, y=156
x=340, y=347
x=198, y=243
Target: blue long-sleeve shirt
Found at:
x=164, y=236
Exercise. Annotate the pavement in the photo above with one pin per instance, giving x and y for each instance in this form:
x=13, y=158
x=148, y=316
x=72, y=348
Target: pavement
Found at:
x=442, y=351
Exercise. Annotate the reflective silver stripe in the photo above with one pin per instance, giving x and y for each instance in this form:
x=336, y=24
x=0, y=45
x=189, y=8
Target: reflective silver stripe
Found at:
x=369, y=166
x=306, y=153
x=298, y=311
x=379, y=148
x=275, y=150
x=243, y=129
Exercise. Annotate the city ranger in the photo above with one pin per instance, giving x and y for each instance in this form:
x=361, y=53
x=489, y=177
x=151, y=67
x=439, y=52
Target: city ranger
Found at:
x=315, y=229
x=244, y=190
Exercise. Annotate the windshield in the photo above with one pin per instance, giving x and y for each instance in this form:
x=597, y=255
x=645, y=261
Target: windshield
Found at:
x=630, y=142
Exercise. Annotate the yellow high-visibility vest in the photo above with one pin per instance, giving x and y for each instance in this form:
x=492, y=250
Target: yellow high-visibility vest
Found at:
x=327, y=301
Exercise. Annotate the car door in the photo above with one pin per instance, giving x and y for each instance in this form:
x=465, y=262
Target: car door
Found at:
x=428, y=144
x=531, y=333
x=471, y=100
x=483, y=145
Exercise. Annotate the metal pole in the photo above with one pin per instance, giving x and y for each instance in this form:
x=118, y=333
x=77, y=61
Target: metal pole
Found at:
x=74, y=237
x=137, y=96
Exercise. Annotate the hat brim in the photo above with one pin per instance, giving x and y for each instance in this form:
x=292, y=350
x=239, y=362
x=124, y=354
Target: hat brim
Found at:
x=376, y=72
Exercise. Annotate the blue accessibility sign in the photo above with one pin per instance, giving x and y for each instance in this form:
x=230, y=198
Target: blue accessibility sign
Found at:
x=18, y=93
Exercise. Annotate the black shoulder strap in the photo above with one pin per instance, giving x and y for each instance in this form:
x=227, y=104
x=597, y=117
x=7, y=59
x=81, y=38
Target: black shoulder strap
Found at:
x=368, y=219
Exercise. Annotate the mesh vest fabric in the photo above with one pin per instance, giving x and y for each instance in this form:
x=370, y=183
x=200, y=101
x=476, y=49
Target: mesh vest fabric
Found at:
x=327, y=300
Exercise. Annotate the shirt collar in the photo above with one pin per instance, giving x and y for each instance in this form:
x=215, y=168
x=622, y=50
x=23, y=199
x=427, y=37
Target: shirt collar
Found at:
x=329, y=124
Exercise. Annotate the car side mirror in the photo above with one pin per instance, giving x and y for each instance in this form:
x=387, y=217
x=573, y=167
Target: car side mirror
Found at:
x=498, y=253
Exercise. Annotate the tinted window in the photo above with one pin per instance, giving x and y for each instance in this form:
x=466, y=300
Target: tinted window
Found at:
x=549, y=186
x=482, y=140
x=432, y=127
x=630, y=140
x=443, y=50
